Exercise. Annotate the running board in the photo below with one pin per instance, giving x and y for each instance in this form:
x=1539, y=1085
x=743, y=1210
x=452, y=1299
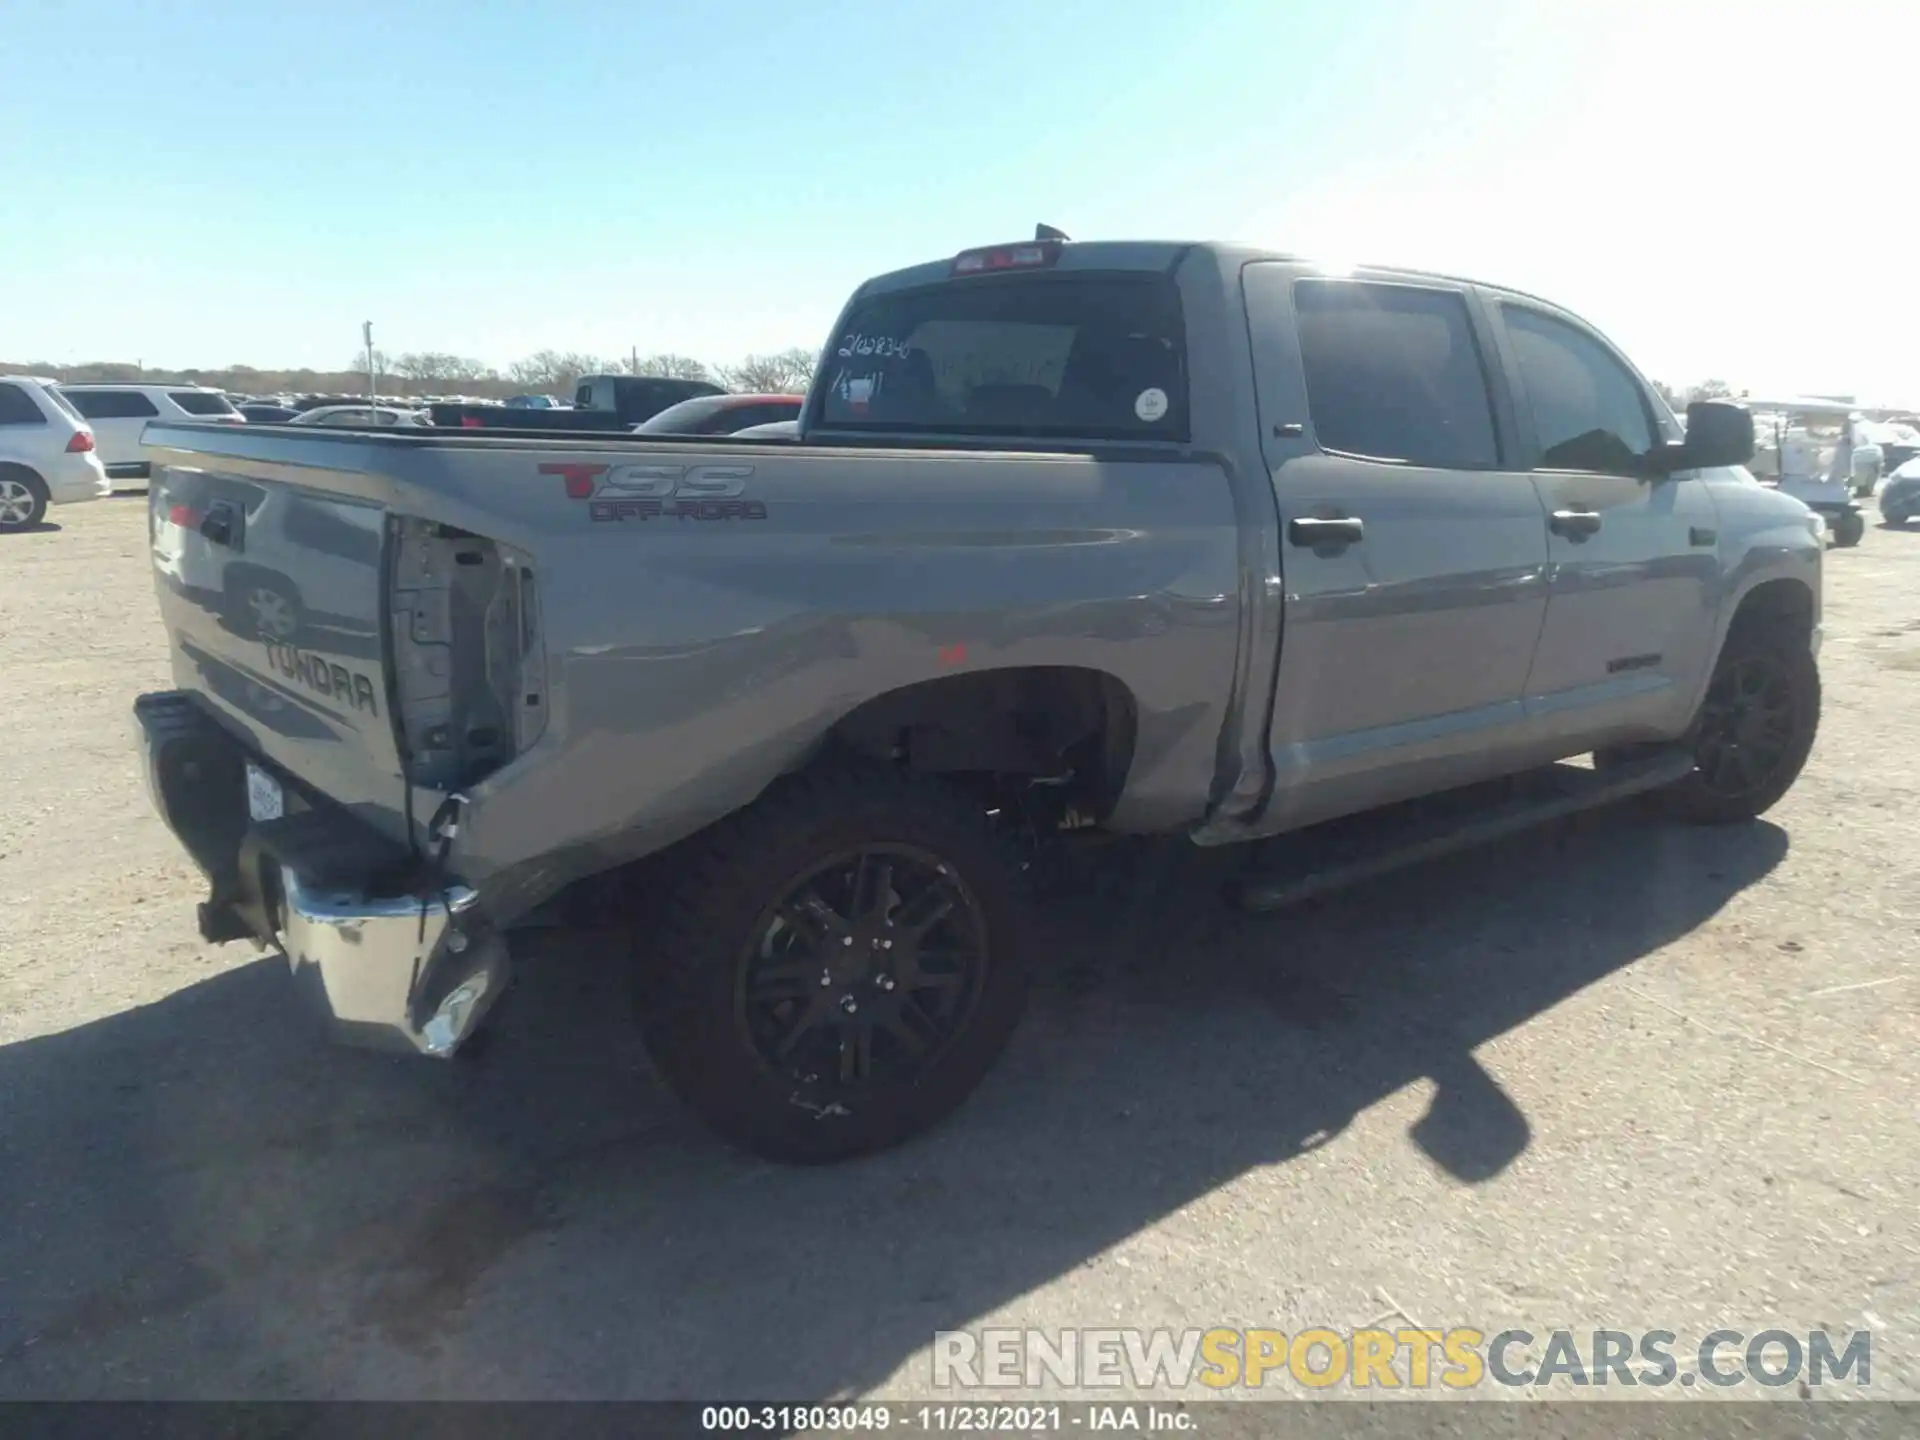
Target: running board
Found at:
x=1343, y=852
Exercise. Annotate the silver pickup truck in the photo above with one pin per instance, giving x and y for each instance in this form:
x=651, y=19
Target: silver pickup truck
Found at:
x=1153, y=538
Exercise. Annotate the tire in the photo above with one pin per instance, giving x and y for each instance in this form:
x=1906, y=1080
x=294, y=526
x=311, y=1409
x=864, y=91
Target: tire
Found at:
x=730, y=1007
x=1849, y=529
x=1894, y=519
x=1764, y=696
x=263, y=606
x=23, y=498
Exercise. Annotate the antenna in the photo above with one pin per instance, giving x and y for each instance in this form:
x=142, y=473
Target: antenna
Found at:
x=1047, y=232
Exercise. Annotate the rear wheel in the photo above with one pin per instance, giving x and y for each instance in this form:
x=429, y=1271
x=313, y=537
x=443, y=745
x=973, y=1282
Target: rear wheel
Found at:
x=1755, y=728
x=840, y=966
x=263, y=605
x=23, y=498
x=1848, y=529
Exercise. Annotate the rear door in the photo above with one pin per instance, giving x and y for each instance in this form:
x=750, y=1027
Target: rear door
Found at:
x=1634, y=574
x=1414, y=545
x=118, y=417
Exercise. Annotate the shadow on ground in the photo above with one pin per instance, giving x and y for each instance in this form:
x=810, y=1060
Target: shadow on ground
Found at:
x=203, y=1200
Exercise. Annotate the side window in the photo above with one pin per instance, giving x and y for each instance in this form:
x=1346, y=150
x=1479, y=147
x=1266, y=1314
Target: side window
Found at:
x=18, y=408
x=1589, y=413
x=1393, y=373
x=112, y=404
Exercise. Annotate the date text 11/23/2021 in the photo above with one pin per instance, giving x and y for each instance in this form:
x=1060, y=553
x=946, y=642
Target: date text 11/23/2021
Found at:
x=973, y=1418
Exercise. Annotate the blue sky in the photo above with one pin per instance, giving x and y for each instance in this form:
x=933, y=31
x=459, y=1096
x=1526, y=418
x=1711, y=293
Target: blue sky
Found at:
x=1723, y=190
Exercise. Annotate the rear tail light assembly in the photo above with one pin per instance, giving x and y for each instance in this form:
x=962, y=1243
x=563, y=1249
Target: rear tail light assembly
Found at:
x=80, y=442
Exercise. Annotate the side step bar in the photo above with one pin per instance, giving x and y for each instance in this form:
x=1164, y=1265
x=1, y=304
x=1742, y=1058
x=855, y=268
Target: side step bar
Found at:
x=1344, y=852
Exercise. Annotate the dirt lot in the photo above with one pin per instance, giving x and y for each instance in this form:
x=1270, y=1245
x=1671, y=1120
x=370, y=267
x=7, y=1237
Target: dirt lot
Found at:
x=1616, y=1074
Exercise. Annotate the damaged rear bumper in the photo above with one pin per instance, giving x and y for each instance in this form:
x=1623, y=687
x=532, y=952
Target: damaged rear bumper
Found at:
x=387, y=961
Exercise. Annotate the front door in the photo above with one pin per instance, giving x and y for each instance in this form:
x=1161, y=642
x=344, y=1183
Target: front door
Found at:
x=1413, y=550
x=1634, y=578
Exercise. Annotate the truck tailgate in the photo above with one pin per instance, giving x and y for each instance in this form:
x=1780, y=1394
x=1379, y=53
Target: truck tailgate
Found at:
x=272, y=597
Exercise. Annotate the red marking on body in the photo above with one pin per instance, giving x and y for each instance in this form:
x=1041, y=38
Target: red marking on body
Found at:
x=579, y=478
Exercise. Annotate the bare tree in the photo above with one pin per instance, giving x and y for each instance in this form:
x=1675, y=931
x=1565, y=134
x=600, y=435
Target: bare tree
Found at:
x=434, y=367
x=1709, y=390
x=784, y=372
x=556, y=371
x=672, y=367
x=382, y=368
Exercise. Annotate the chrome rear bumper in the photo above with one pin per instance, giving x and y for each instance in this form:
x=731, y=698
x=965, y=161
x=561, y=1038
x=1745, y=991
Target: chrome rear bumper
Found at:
x=407, y=971
x=392, y=972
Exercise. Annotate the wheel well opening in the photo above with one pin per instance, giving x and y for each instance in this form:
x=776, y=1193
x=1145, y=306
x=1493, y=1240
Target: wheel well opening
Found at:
x=1068, y=729
x=1780, y=605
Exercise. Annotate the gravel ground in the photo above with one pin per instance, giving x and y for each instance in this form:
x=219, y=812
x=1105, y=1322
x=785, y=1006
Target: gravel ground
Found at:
x=1613, y=1075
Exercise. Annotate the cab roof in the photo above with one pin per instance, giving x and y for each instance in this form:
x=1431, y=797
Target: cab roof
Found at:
x=1166, y=255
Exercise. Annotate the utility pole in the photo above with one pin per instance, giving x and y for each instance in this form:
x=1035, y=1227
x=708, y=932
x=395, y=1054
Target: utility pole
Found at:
x=633, y=365
x=366, y=333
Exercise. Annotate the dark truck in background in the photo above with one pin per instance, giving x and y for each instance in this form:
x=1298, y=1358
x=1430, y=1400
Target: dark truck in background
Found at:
x=1142, y=538
x=600, y=403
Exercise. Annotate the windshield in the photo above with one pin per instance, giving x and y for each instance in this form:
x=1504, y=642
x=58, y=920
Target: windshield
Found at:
x=201, y=402
x=1053, y=355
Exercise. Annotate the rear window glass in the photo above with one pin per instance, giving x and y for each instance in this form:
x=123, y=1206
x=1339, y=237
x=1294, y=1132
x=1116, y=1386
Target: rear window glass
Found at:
x=63, y=405
x=199, y=402
x=1036, y=356
x=17, y=407
x=112, y=404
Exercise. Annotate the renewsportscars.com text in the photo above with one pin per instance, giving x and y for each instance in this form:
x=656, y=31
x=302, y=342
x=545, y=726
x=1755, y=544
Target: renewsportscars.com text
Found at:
x=1410, y=1358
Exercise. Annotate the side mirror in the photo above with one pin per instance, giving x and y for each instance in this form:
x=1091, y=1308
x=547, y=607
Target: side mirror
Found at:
x=1719, y=432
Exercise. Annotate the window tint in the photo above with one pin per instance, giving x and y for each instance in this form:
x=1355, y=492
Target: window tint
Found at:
x=702, y=416
x=17, y=407
x=112, y=404
x=201, y=402
x=1036, y=355
x=742, y=416
x=1588, y=411
x=1393, y=373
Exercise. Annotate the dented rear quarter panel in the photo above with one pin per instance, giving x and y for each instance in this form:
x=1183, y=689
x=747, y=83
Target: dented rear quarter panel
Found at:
x=690, y=662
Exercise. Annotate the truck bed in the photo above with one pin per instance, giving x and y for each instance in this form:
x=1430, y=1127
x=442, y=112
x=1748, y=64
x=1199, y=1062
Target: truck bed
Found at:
x=608, y=642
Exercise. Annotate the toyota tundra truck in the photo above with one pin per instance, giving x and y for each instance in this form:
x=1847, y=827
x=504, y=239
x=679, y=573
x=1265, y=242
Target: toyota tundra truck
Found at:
x=1139, y=538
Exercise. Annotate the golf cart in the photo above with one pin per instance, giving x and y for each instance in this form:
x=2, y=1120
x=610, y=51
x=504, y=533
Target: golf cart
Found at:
x=1807, y=448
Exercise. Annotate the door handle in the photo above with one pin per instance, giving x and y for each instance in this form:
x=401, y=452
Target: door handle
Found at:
x=1574, y=524
x=1334, y=531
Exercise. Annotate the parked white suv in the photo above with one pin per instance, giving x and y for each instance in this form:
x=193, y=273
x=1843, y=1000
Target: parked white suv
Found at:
x=119, y=413
x=47, y=454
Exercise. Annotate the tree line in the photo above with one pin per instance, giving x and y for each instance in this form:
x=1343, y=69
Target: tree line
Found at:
x=427, y=372
x=545, y=372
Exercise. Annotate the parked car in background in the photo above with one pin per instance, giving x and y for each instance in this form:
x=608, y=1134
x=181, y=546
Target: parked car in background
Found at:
x=1900, y=498
x=48, y=454
x=118, y=413
x=722, y=414
x=259, y=413
x=533, y=402
x=634, y=398
x=363, y=415
x=772, y=430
